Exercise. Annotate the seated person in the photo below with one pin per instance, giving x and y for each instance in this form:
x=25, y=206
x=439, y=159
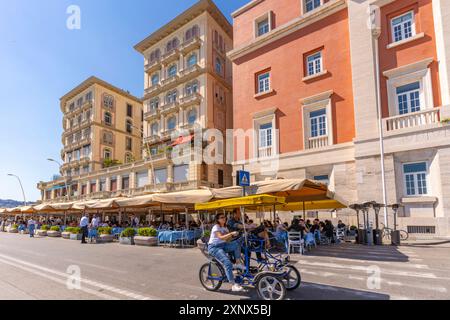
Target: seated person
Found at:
x=341, y=225
x=315, y=226
x=219, y=247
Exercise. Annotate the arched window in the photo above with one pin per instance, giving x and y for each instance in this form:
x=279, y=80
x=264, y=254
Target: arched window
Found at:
x=192, y=32
x=108, y=101
x=108, y=118
x=172, y=71
x=154, y=129
x=192, y=116
x=191, y=88
x=188, y=35
x=107, y=153
x=219, y=66
x=129, y=126
x=195, y=31
x=171, y=123
x=175, y=43
x=171, y=96
x=192, y=60
x=155, y=79
x=154, y=104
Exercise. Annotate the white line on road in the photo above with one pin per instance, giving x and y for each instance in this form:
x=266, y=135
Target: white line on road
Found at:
x=125, y=293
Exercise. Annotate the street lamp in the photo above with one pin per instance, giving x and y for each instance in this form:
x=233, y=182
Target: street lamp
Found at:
x=21, y=187
x=65, y=177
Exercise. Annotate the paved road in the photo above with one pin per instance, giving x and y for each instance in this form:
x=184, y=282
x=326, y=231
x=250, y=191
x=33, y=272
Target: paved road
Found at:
x=40, y=269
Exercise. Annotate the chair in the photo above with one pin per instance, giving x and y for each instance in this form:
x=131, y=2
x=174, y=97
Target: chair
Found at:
x=310, y=241
x=295, y=241
x=340, y=234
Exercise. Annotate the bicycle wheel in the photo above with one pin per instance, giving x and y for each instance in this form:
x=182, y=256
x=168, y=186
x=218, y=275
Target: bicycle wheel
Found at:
x=270, y=287
x=292, y=279
x=404, y=235
x=207, y=271
x=387, y=234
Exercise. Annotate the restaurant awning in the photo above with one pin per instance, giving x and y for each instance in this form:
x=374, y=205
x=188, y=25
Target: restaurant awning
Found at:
x=247, y=202
x=136, y=202
x=184, y=197
x=312, y=205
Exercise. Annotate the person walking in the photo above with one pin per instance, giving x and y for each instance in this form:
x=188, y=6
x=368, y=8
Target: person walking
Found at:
x=31, y=227
x=84, y=222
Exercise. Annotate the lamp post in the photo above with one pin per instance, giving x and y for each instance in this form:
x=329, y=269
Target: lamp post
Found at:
x=21, y=187
x=147, y=145
x=65, y=176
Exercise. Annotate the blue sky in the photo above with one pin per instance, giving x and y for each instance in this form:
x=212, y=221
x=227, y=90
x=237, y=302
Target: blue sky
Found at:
x=40, y=60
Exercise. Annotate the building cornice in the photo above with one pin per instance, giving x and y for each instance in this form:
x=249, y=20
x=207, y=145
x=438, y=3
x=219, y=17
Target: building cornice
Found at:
x=193, y=12
x=299, y=23
x=92, y=81
x=245, y=8
x=410, y=68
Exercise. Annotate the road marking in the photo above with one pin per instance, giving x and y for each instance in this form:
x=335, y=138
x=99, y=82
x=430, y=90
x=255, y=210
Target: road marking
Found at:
x=125, y=293
x=95, y=266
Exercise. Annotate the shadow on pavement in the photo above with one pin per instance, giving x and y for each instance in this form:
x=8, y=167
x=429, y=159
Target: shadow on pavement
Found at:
x=359, y=252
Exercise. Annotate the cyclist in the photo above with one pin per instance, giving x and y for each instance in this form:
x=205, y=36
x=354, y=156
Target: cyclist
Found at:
x=219, y=246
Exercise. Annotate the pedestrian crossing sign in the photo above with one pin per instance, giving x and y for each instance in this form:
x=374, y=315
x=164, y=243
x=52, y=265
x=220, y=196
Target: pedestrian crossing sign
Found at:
x=243, y=178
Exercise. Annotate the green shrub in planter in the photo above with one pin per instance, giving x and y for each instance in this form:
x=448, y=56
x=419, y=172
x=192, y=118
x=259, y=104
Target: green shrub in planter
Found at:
x=55, y=228
x=105, y=230
x=45, y=227
x=15, y=226
x=73, y=230
x=128, y=233
x=353, y=228
x=147, y=232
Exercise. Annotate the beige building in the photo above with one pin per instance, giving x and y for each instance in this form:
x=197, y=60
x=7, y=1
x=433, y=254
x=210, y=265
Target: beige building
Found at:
x=187, y=87
x=102, y=125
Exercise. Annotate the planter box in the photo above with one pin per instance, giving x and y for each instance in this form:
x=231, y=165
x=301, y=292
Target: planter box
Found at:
x=65, y=235
x=25, y=231
x=104, y=238
x=75, y=237
x=129, y=241
x=42, y=233
x=146, y=241
x=13, y=230
x=54, y=234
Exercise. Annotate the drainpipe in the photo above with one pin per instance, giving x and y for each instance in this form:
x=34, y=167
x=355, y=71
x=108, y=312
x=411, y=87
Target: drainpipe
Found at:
x=376, y=32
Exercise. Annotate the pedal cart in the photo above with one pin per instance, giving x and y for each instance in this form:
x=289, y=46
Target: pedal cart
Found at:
x=272, y=276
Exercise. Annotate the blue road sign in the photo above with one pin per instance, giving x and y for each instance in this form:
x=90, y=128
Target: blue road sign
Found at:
x=243, y=178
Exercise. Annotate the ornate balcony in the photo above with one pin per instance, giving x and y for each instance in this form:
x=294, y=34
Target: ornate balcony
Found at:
x=170, y=108
x=153, y=90
x=265, y=152
x=423, y=118
x=190, y=100
x=151, y=114
x=170, y=56
x=152, y=139
x=191, y=44
x=169, y=81
x=152, y=66
x=318, y=142
x=191, y=71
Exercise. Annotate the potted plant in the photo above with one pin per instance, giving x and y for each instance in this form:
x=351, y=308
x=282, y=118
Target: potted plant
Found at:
x=54, y=232
x=75, y=233
x=43, y=231
x=105, y=234
x=14, y=228
x=127, y=236
x=146, y=237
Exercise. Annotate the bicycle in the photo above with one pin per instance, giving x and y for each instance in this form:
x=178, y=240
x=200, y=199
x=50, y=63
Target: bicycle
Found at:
x=386, y=232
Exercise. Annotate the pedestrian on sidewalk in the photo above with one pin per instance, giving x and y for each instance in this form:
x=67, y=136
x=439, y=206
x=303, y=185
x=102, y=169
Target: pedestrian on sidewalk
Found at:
x=31, y=227
x=84, y=222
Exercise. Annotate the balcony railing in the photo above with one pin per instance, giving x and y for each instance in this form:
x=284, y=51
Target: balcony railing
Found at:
x=192, y=70
x=189, y=100
x=265, y=152
x=169, y=80
x=411, y=120
x=170, y=107
x=318, y=142
x=151, y=114
x=191, y=44
x=152, y=90
x=152, y=139
x=152, y=66
x=170, y=56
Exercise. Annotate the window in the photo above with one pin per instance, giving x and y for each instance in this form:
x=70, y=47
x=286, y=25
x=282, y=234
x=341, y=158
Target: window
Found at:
x=108, y=119
x=155, y=79
x=79, y=102
x=87, y=151
x=72, y=106
x=181, y=173
x=219, y=68
x=408, y=98
x=154, y=104
x=102, y=186
x=89, y=96
x=107, y=138
x=129, y=144
x=172, y=45
x=220, y=177
x=108, y=101
x=192, y=116
x=263, y=27
x=312, y=4
x=128, y=158
x=161, y=175
x=125, y=183
x=113, y=184
x=264, y=82
x=141, y=179
x=323, y=178
x=192, y=32
x=171, y=97
x=192, y=60
x=154, y=129
x=265, y=140
x=107, y=154
x=129, y=126
x=314, y=63
x=318, y=123
x=191, y=88
x=403, y=27
x=171, y=123
x=172, y=71
x=129, y=110
x=155, y=55
x=415, y=178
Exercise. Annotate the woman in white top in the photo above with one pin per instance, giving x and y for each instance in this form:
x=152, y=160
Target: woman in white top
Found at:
x=219, y=246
